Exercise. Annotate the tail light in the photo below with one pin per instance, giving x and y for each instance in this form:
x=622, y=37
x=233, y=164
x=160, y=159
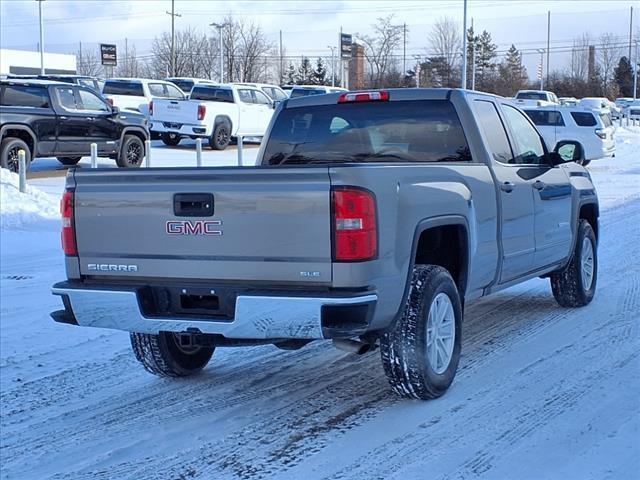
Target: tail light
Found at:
x=202, y=111
x=68, y=225
x=601, y=133
x=151, y=108
x=109, y=101
x=374, y=96
x=355, y=235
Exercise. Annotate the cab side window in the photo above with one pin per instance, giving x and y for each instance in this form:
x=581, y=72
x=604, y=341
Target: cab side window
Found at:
x=528, y=148
x=245, y=96
x=260, y=98
x=91, y=102
x=66, y=98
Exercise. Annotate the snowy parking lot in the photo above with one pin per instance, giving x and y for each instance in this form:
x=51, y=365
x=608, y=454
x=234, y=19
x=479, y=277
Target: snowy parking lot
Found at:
x=541, y=392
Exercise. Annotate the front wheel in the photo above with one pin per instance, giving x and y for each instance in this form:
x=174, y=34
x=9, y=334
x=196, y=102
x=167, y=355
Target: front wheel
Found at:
x=69, y=160
x=170, y=354
x=171, y=139
x=220, y=137
x=575, y=284
x=420, y=355
x=131, y=153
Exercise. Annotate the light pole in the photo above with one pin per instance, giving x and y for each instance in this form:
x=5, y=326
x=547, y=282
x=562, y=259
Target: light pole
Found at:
x=464, y=47
x=173, y=37
x=333, y=65
x=220, y=26
x=541, y=52
x=41, y=38
x=635, y=74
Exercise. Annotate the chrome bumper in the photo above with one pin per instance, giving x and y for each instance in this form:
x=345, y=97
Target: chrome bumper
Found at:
x=256, y=317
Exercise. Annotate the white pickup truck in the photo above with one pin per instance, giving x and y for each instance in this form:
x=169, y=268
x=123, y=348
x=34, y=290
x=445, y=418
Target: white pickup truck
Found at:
x=535, y=98
x=134, y=94
x=216, y=112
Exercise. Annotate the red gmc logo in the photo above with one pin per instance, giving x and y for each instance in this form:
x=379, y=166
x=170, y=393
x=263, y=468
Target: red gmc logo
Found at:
x=196, y=227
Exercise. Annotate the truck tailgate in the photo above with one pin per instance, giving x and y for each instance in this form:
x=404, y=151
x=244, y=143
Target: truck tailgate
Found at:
x=175, y=111
x=266, y=224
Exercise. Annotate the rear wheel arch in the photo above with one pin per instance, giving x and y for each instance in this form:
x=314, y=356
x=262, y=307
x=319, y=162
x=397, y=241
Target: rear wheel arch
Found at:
x=223, y=119
x=22, y=132
x=590, y=212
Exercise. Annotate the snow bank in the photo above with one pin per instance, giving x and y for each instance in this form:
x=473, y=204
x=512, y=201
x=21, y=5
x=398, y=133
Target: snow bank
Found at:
x=19, y=209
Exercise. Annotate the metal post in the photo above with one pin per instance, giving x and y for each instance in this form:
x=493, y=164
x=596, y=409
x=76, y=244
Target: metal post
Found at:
x=404, y=49
x=94, y=155
x=173, y=39
x=42, y=72
x=548, y=40
x=464, y=47
x=147, y=150
x=22, y=170
x=630, y=32
x=198, y=152
x=635, y=74
x=240, y=140
x=220, y=26
x=541, y=69
x=473, y=58
x=333, y=65
x=281, y=79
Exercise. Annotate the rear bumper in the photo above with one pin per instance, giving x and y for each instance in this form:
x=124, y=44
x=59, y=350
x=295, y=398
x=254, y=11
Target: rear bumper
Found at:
x=256, y=316
x=183, y=129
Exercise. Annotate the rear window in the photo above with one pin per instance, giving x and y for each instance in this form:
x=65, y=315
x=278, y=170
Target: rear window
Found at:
x=123, y=88
x=545, y=118
x=24, y=96
x=531, y=96
x=184, y=85
x=606, y=119
x=305, y=92
x=212, y=94
x=415, y=131
x=584, y=119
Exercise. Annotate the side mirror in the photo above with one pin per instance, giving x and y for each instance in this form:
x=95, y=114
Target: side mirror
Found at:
x=115, y=111
x=275, y=104
x=567, y=151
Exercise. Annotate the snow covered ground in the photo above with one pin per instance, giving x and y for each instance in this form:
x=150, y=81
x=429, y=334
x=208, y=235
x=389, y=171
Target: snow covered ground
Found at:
x=542, y=392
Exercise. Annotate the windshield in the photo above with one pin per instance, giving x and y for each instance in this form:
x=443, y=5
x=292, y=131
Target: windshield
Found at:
x=184, y=85
x=411, y=131
x=133, y=89
x=531, y=96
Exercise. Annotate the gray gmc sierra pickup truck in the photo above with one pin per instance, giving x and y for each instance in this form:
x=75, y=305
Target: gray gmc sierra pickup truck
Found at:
x=370, y=219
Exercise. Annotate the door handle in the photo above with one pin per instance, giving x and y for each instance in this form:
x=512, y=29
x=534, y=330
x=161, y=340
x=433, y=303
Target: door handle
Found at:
x=507, y=187
x=538, y=185
x=91, y=119
x=63, y=118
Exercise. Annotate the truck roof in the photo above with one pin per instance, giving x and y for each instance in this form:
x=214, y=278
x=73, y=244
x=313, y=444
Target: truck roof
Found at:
x=29, y=81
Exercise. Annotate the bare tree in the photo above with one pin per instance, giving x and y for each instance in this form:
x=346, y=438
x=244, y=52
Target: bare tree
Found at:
x=129, y=64
x=609, y=53
x=88, y=63
x=246, y=49
x=195, y=55
x=445, y=42
x=379, y=48
x=580, y=57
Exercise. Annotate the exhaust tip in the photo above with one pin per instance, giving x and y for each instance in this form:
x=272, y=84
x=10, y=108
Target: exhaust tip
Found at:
x=352, y=346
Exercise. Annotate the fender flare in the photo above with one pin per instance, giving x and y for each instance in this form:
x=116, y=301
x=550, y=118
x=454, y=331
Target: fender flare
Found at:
x=127, y=130
x=224, y=119
x=18, y=126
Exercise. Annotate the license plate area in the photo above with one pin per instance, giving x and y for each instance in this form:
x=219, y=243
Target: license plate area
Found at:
x=188, y=302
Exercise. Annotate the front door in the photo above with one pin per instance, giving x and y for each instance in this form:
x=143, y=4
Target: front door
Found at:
x=265, y=111
x=515, y=197
x=104, y=131
x=249, y=113
x=74, y=128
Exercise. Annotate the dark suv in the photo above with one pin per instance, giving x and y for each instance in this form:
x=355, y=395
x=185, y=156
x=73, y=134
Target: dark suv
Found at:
x=54, y=119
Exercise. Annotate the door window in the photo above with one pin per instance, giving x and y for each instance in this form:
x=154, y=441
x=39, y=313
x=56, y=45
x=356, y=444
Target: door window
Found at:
x=24, y=96
x=67, y=99
x=245, y=96
x=528, y=148
x=494, y=132
x=173, y=92
x=156, y=90
x=584, y=119
x=260, y=98
x=91, y=102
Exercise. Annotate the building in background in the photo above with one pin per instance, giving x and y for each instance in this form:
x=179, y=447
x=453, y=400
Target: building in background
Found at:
x=356, y=67
x=23, y=62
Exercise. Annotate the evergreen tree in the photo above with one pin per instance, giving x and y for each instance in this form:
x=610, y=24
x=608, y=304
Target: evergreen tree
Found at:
x=320, y=73
x=305, y=72
x=290, y=76
x=485, y=65
x=512, y=75
x=473, y=43
x=623, y=77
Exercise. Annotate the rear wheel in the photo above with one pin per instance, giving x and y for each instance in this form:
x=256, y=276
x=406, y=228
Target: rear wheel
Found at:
x=420, y=355
x=170, y=354
x=171, y=139
x=69, y=160
x=220, y=137
x=9, y=149
x=131, y=153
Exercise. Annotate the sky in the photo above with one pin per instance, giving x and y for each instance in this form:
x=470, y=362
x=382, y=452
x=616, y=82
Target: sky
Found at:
x=309, y=27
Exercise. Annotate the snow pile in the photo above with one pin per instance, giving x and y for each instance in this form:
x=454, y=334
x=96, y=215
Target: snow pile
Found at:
x=18, y=209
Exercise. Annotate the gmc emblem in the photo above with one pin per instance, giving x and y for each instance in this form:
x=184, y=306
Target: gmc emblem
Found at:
x=196, y=227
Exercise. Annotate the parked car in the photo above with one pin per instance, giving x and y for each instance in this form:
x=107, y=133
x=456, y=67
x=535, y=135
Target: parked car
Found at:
x=134, y=94
x=274, y=92
x=55, y=119
x=535, y=98
x=84, y=80
x=371, y=219
x=306, y=90
x=592, y=128
x=186, y=83
x=632, y=110
x=215, y=112
x=568, y=101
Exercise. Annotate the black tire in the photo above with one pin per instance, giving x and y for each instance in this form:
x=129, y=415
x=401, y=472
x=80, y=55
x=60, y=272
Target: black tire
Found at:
x=404, y=349
x=171, y=139
x=163, y=356
x=9, y=149
x=220, y=137
x=132, y=152
x=69, y=160
x=569, y=285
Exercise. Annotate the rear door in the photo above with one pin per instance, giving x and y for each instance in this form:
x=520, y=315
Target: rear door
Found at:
x=249, y=111
x=265, y=110
x=515, y=196
x=230, y=224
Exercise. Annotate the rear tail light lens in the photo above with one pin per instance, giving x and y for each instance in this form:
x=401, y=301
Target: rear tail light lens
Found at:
x=151, y=107
x=68, y=225
x=374, y=96
x=202, y=111
x=601, y=133
x=355, y=236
